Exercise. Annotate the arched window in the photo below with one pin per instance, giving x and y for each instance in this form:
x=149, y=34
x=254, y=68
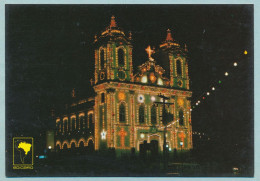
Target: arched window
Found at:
x=141, y=114
x=69, y=127
x=153, y=115
x=90, y=121
x=181, y=120
x=122, y=113
x=59, y=126
x=121, y=57
x=65, y=125
x=102, y=59
x=73, y=120
x=102, y=97
x=178, y=65
x=81, y=121
x=81, y=144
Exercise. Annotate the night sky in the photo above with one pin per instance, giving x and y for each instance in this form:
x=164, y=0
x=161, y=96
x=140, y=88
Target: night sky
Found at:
x=49, y=51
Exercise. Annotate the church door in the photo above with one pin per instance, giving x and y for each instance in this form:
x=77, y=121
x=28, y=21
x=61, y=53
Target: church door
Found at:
x=154, y=148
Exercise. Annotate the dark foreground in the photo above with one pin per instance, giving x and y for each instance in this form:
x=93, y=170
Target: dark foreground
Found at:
x=96, y=164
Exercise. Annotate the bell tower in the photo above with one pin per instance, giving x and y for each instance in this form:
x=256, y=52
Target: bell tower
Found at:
x=113, y=55
x=178, y=62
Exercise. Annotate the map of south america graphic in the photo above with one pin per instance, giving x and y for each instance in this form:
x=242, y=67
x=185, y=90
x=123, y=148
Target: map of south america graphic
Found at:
x=24, y=148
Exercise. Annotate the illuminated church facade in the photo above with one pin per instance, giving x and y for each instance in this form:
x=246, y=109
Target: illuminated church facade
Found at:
x=123, y=114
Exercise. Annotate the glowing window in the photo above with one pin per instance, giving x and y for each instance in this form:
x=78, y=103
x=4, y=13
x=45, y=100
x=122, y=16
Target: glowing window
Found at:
x=160, y=81
x=144, y=79
x=153, y=98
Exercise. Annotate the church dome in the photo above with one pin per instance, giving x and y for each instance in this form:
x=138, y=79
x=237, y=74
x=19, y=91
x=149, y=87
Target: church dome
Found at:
x=113, y=32
x=113, y=29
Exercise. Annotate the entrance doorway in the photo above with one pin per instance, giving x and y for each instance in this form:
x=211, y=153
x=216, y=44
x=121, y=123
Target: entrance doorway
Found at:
x=154, y=148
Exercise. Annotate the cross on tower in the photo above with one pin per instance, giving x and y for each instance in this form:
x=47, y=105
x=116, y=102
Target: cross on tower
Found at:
x=122, y=133
x=149, y=51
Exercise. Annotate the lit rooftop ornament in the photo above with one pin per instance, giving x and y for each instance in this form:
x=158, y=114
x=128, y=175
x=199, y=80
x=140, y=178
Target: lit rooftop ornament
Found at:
x=149, y=52
x=169, y=35
x=113, y=22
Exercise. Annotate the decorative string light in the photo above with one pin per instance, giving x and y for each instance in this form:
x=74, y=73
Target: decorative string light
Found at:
x=153, y=98
x=202, y=96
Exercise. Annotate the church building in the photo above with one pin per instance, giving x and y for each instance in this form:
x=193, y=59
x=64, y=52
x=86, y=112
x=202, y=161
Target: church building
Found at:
x=125, y=113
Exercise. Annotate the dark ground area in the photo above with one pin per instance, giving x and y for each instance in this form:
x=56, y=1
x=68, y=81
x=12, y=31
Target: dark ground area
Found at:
x=94, y=164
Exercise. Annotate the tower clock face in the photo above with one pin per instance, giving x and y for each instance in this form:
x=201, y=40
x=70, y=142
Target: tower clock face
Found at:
x=180, y=83
x=102, y=75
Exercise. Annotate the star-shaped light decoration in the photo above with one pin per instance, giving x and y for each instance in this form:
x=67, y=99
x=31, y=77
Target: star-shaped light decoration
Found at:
x=103, y=135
